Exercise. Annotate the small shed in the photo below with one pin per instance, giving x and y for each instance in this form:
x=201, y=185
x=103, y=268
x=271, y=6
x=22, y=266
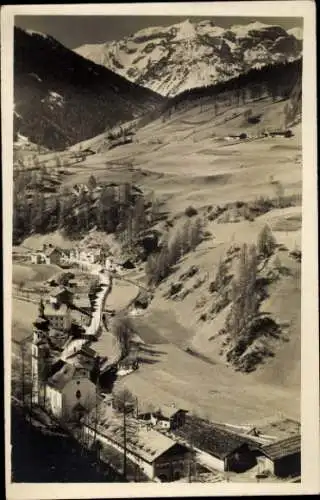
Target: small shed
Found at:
x=282, y=458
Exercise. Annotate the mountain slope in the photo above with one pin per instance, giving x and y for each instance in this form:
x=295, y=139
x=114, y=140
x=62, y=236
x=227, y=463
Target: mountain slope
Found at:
x=172, y=59
x=61, y=98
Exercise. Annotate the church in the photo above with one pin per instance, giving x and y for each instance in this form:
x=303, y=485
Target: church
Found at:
x=65, y=389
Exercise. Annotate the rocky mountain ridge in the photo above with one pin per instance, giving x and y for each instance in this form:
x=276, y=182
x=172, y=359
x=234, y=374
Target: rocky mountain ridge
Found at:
x=172, y=59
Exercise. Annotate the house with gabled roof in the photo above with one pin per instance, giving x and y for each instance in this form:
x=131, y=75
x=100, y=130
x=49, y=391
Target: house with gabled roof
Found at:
x=166, y=417
x=49, y=254
x=281, y=458
x=170, y=417
x=68, y=388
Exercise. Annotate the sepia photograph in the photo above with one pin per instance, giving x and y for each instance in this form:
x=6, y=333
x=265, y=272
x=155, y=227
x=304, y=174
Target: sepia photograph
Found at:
x=155, y=243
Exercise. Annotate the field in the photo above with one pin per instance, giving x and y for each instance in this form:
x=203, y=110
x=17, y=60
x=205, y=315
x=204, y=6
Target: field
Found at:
x=121, y=295
x=31, y=274
x=210, y=390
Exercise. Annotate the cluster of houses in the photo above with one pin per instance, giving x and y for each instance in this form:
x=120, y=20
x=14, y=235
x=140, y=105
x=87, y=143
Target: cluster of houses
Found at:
x=51, y=254
x=158, y=441
x=274, y=133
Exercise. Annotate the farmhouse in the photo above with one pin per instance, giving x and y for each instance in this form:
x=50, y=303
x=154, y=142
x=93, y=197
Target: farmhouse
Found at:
x=70, y=393
x=74, y=254
x=52, y=255
x=166, y=417
x=282, y=458
x=157, y=455
x=48, y=255
x=170, y=417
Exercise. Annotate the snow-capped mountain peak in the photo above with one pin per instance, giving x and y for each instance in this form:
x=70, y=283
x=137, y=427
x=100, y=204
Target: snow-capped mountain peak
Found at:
x=190, y=54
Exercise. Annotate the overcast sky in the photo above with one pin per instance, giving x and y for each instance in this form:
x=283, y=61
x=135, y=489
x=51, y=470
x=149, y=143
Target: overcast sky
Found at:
x=73, y=31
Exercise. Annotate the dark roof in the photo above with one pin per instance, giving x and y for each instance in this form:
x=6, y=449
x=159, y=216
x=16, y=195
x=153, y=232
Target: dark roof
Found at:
x=282, y=448
x=84, y=351
x=48, y=251
x=57, y=366
x=62, y=377
x=53, y=311
x=207, y=437
x=169, y=411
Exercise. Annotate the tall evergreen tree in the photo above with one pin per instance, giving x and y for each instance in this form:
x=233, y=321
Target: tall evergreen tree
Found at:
x=244, y=299
x=266, y=242
x=92, y=182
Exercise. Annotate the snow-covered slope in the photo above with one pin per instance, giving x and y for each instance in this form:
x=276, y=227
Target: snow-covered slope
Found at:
x=171, y=59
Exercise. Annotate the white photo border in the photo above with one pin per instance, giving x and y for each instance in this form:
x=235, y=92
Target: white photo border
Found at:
x=309, y=323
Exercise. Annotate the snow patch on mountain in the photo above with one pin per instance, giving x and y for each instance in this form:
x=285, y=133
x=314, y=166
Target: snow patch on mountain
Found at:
x=36, y=33
x=243, y=30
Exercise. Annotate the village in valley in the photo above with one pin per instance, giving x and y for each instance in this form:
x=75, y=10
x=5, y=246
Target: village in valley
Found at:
x=77, y=355
x=156, y=271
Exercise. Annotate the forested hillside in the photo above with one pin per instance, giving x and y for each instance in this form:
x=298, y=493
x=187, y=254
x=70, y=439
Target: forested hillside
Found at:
x=61, y=98
x=112, y=208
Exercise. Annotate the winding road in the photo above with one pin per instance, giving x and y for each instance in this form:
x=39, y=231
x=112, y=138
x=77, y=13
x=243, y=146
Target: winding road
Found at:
x=96, y=326
x=96, y=332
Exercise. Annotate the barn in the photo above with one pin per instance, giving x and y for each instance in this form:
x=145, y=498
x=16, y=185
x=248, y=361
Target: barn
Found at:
x=216, y=447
